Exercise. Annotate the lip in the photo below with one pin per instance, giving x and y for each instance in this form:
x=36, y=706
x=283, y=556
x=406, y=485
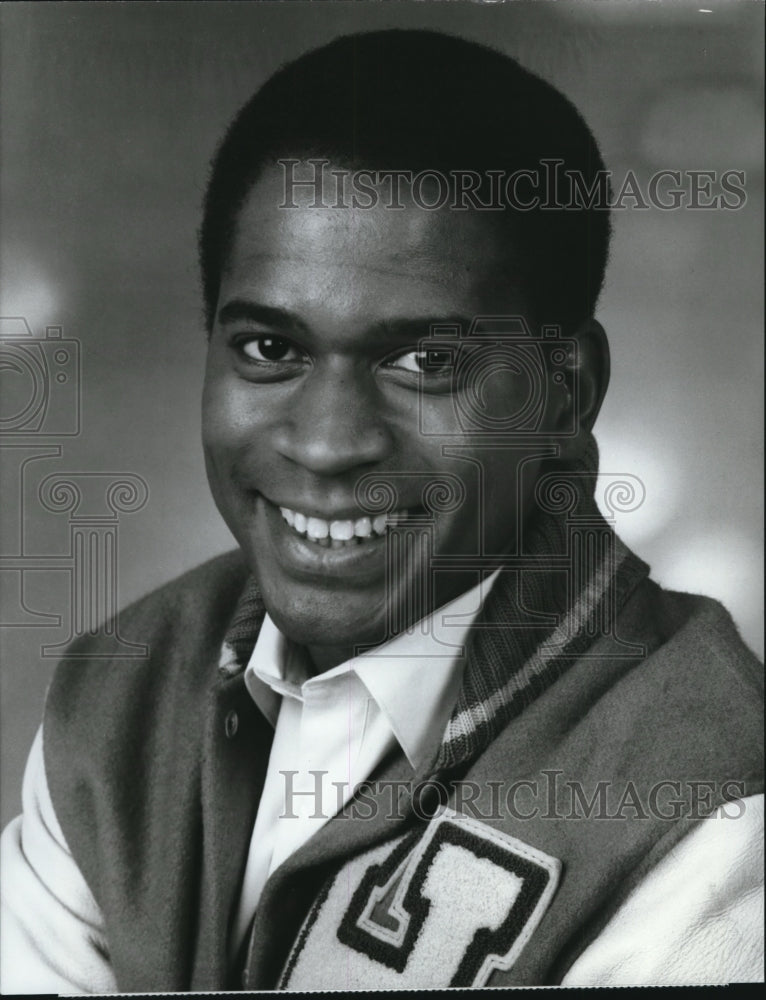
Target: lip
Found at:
x=301, y=558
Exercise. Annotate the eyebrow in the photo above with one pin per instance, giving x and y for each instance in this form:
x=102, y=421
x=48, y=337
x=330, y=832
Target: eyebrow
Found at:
x=280, y=319
x=405, y=329
x=417, y=328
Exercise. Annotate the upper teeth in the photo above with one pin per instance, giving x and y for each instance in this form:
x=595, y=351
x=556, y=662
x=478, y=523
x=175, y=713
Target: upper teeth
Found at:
x=362, y=527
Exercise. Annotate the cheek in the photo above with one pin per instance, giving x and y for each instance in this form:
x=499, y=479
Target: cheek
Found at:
x=230, y=416
x=216, y=433
x=509, y=475
x=224, y=441
x=227, y=434
x=511, y=490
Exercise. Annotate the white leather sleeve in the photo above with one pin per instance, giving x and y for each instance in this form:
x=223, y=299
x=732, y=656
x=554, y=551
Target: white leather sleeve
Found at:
x=51, y=933
x=696, y=919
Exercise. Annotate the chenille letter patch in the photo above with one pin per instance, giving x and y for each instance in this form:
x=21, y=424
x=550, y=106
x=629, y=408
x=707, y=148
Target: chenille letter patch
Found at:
x=442, y=908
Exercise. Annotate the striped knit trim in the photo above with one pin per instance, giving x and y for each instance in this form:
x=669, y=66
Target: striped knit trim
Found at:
x=242, y=632
x=503, y=688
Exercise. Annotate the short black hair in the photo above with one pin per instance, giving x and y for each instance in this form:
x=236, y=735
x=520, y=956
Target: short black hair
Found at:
x=422, y=100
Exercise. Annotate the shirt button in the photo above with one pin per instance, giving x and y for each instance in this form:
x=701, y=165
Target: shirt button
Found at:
x=231, y=725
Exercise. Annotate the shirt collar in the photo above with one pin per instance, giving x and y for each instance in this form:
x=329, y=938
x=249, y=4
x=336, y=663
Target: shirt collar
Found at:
x=413, y=678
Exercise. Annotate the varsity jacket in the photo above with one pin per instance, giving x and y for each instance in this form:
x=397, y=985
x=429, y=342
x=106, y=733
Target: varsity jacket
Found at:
x=575, y=760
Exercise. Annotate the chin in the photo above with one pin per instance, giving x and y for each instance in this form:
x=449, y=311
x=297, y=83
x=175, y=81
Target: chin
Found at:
x=316, y=617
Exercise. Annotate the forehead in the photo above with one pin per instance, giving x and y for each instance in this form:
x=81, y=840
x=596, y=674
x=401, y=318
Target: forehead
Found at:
x=373, y=258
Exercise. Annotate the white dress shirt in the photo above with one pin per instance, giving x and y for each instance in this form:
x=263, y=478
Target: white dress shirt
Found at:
x=333, y=729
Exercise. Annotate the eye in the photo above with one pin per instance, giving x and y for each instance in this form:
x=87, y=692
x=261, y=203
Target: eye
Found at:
x=269, y=350
x=430, y=362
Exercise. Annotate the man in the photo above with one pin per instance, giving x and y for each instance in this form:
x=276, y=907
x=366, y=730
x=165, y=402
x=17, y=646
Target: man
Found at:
x=433, y=725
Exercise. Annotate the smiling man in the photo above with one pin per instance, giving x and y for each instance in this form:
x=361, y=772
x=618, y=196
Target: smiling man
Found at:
x=433, y=725
x=320, y=373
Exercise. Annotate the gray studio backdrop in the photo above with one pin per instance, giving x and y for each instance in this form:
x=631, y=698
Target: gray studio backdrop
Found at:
x=110, y=113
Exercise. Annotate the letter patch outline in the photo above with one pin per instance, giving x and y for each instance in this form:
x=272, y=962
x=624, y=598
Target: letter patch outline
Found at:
x=445, y=908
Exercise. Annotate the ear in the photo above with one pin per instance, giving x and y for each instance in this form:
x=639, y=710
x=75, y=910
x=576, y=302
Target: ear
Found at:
x=586, y=384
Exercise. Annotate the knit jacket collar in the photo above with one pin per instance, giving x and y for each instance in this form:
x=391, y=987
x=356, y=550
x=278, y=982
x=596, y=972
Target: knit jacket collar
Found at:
x=558, y=592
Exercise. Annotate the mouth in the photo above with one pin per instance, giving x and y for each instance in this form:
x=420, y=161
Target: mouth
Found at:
x=342, y=534
x=332, y=552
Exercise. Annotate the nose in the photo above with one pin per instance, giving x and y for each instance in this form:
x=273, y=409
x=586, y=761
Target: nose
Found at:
x=334, y=422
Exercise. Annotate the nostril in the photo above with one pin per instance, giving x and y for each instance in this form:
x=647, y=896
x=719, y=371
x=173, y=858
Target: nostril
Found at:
x=327, y=448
